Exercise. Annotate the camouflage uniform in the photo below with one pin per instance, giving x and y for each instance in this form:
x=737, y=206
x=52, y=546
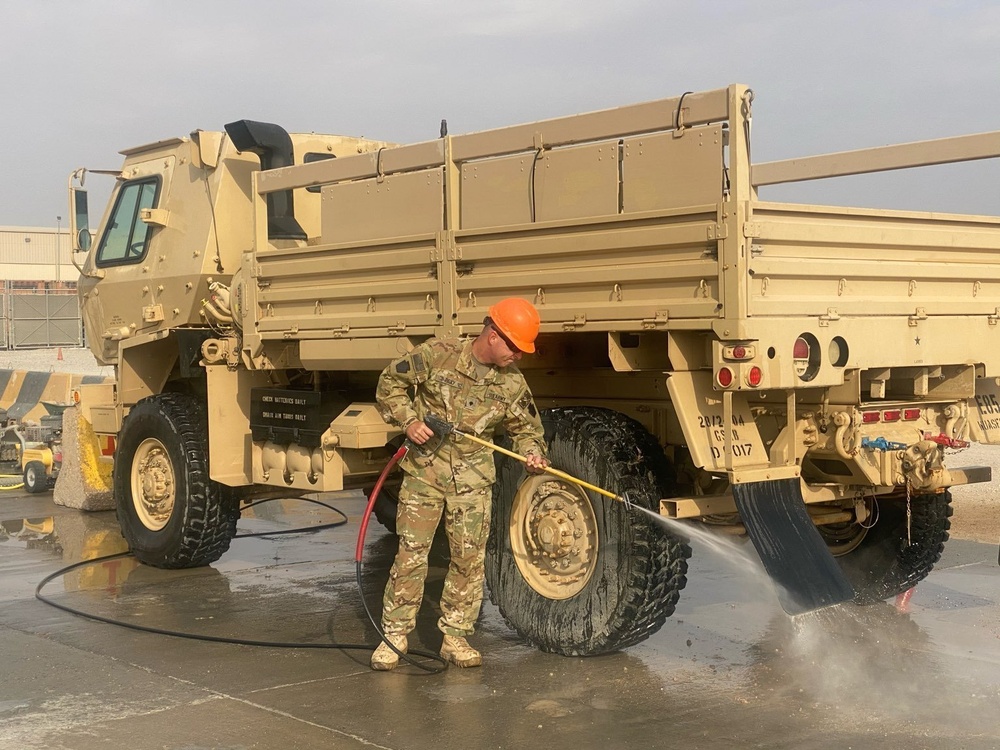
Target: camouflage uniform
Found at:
x=445, y=380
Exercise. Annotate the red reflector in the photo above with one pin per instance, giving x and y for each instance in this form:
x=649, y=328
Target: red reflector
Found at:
x=754, y=376
x=725, y=377
x=911, y=414
x=891, y=416
x=801, y=349
x=739, y=352
x=868, y=417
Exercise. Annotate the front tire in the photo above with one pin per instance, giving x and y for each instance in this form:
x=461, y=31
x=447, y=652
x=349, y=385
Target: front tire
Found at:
x=171, y=514
x=885, y=563
x=36, y=479
x=575, y=573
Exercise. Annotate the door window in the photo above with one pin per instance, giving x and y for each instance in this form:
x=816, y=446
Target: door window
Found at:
x=127, y=236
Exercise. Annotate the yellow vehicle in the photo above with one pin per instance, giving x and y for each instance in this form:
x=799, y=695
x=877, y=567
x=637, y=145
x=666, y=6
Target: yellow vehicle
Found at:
x=751, y=365
x=39, y=461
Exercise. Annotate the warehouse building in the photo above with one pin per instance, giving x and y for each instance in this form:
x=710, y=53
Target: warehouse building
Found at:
x=38, y=304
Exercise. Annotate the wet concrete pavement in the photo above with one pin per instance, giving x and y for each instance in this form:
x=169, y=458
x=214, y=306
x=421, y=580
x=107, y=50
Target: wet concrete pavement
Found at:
x=728, y=670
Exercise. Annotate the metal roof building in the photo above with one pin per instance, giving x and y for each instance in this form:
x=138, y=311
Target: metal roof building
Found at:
x=29, y=254
x=38, y=305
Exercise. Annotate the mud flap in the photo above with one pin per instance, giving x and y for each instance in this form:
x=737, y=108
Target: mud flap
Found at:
x=804, y=573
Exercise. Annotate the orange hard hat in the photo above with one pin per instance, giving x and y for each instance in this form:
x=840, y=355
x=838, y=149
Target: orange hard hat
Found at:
x=518, y=320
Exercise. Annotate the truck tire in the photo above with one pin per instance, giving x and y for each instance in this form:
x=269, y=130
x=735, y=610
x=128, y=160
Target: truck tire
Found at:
x=386, y=507
x=575, y=573
x=36, y=479
x=387, y=504
x=884, y=564
x=171, y=514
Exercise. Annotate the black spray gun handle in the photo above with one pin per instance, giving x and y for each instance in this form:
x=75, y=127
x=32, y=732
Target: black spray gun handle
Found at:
x=438, y=426
x=441, y=430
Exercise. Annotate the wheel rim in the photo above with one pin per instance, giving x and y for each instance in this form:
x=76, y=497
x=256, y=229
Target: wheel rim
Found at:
x=153, y=484
x=843, y=538
x=554, y=537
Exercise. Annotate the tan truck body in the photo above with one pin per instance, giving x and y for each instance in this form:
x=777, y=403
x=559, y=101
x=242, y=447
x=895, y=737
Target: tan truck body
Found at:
x=755, y=341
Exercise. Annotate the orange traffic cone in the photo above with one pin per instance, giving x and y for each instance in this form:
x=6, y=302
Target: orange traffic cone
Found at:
x=59, y=357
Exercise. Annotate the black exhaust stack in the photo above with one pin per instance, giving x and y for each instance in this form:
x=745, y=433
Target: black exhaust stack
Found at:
x=274, y=147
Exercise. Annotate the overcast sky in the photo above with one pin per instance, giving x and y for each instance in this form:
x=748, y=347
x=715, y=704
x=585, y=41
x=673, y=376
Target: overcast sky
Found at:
x=82, y=79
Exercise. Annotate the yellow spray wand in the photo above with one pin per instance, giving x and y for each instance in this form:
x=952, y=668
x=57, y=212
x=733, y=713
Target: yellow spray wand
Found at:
x=442, y=428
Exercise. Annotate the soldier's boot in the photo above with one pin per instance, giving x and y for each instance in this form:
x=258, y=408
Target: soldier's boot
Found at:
x=458, y=651
x=384, y=658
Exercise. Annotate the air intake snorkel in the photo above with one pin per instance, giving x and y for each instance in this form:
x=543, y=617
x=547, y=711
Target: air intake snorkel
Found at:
x=274, y=147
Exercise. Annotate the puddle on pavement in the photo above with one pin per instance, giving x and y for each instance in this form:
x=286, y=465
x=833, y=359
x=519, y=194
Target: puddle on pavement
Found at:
x=256, y=562
x=852, y=665
x=74, y=537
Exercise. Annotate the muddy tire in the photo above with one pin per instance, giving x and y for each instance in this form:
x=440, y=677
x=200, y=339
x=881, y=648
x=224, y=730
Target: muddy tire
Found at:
x=572, y=572
x=36, y=479
x=883, y=564
x=171, y=514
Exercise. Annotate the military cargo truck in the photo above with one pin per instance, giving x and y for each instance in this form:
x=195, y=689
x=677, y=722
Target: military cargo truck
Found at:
x=701, y=351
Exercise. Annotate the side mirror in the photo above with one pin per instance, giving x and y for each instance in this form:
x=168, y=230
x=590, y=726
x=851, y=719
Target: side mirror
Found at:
x=83, y=241
x=80, y=220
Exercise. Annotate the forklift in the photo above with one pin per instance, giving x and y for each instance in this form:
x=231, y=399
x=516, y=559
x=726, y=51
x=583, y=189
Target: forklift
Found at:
x=35, y=450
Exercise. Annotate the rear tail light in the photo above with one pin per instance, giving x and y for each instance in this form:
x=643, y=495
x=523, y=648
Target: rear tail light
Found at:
x=739, y=352
x=725, y=377
x=754, y=376
x=870, y=417
x=801, y=349
x=893, y=415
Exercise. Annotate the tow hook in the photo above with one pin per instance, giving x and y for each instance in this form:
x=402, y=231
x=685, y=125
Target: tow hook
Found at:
x=923, y=466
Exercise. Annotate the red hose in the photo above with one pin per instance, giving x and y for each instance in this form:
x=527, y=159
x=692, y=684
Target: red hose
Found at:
x=396, y=458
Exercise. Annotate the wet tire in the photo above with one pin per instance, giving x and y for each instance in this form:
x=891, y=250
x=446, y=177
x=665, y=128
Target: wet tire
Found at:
x=386, y=507
x=36, y=479
x=171, y=514
x=631, y=584
x=884, y=564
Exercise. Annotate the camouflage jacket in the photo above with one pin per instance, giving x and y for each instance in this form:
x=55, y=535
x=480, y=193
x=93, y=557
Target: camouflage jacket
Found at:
x=440, y=377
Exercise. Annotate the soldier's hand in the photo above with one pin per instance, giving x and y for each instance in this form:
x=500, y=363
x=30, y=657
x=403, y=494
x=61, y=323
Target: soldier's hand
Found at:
x=418, y=432
x=535, y=464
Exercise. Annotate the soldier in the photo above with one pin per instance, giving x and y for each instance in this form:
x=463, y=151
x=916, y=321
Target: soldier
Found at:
x=474, y=385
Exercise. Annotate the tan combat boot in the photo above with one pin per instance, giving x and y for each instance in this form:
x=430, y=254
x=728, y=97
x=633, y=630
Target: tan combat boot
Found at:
x=458, y=651
x=384, y=657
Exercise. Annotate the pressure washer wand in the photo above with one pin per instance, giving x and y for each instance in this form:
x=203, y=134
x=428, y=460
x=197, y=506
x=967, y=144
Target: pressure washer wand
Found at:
x=440, y=427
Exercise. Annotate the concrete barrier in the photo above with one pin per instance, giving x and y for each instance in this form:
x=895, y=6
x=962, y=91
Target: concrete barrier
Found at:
x=84, y=480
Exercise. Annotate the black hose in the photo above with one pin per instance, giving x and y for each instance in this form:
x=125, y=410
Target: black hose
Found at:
x=239, y=641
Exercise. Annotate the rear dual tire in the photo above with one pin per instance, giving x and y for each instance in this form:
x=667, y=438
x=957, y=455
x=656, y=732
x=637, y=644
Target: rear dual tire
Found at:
x=888, y=561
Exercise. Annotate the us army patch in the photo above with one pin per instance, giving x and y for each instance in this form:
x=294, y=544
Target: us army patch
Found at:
x=528, y=404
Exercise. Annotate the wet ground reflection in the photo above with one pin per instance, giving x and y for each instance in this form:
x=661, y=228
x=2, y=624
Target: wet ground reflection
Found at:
x=729, y=669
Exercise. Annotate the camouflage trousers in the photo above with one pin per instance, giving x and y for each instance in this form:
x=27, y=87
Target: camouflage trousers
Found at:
x=467, y=525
